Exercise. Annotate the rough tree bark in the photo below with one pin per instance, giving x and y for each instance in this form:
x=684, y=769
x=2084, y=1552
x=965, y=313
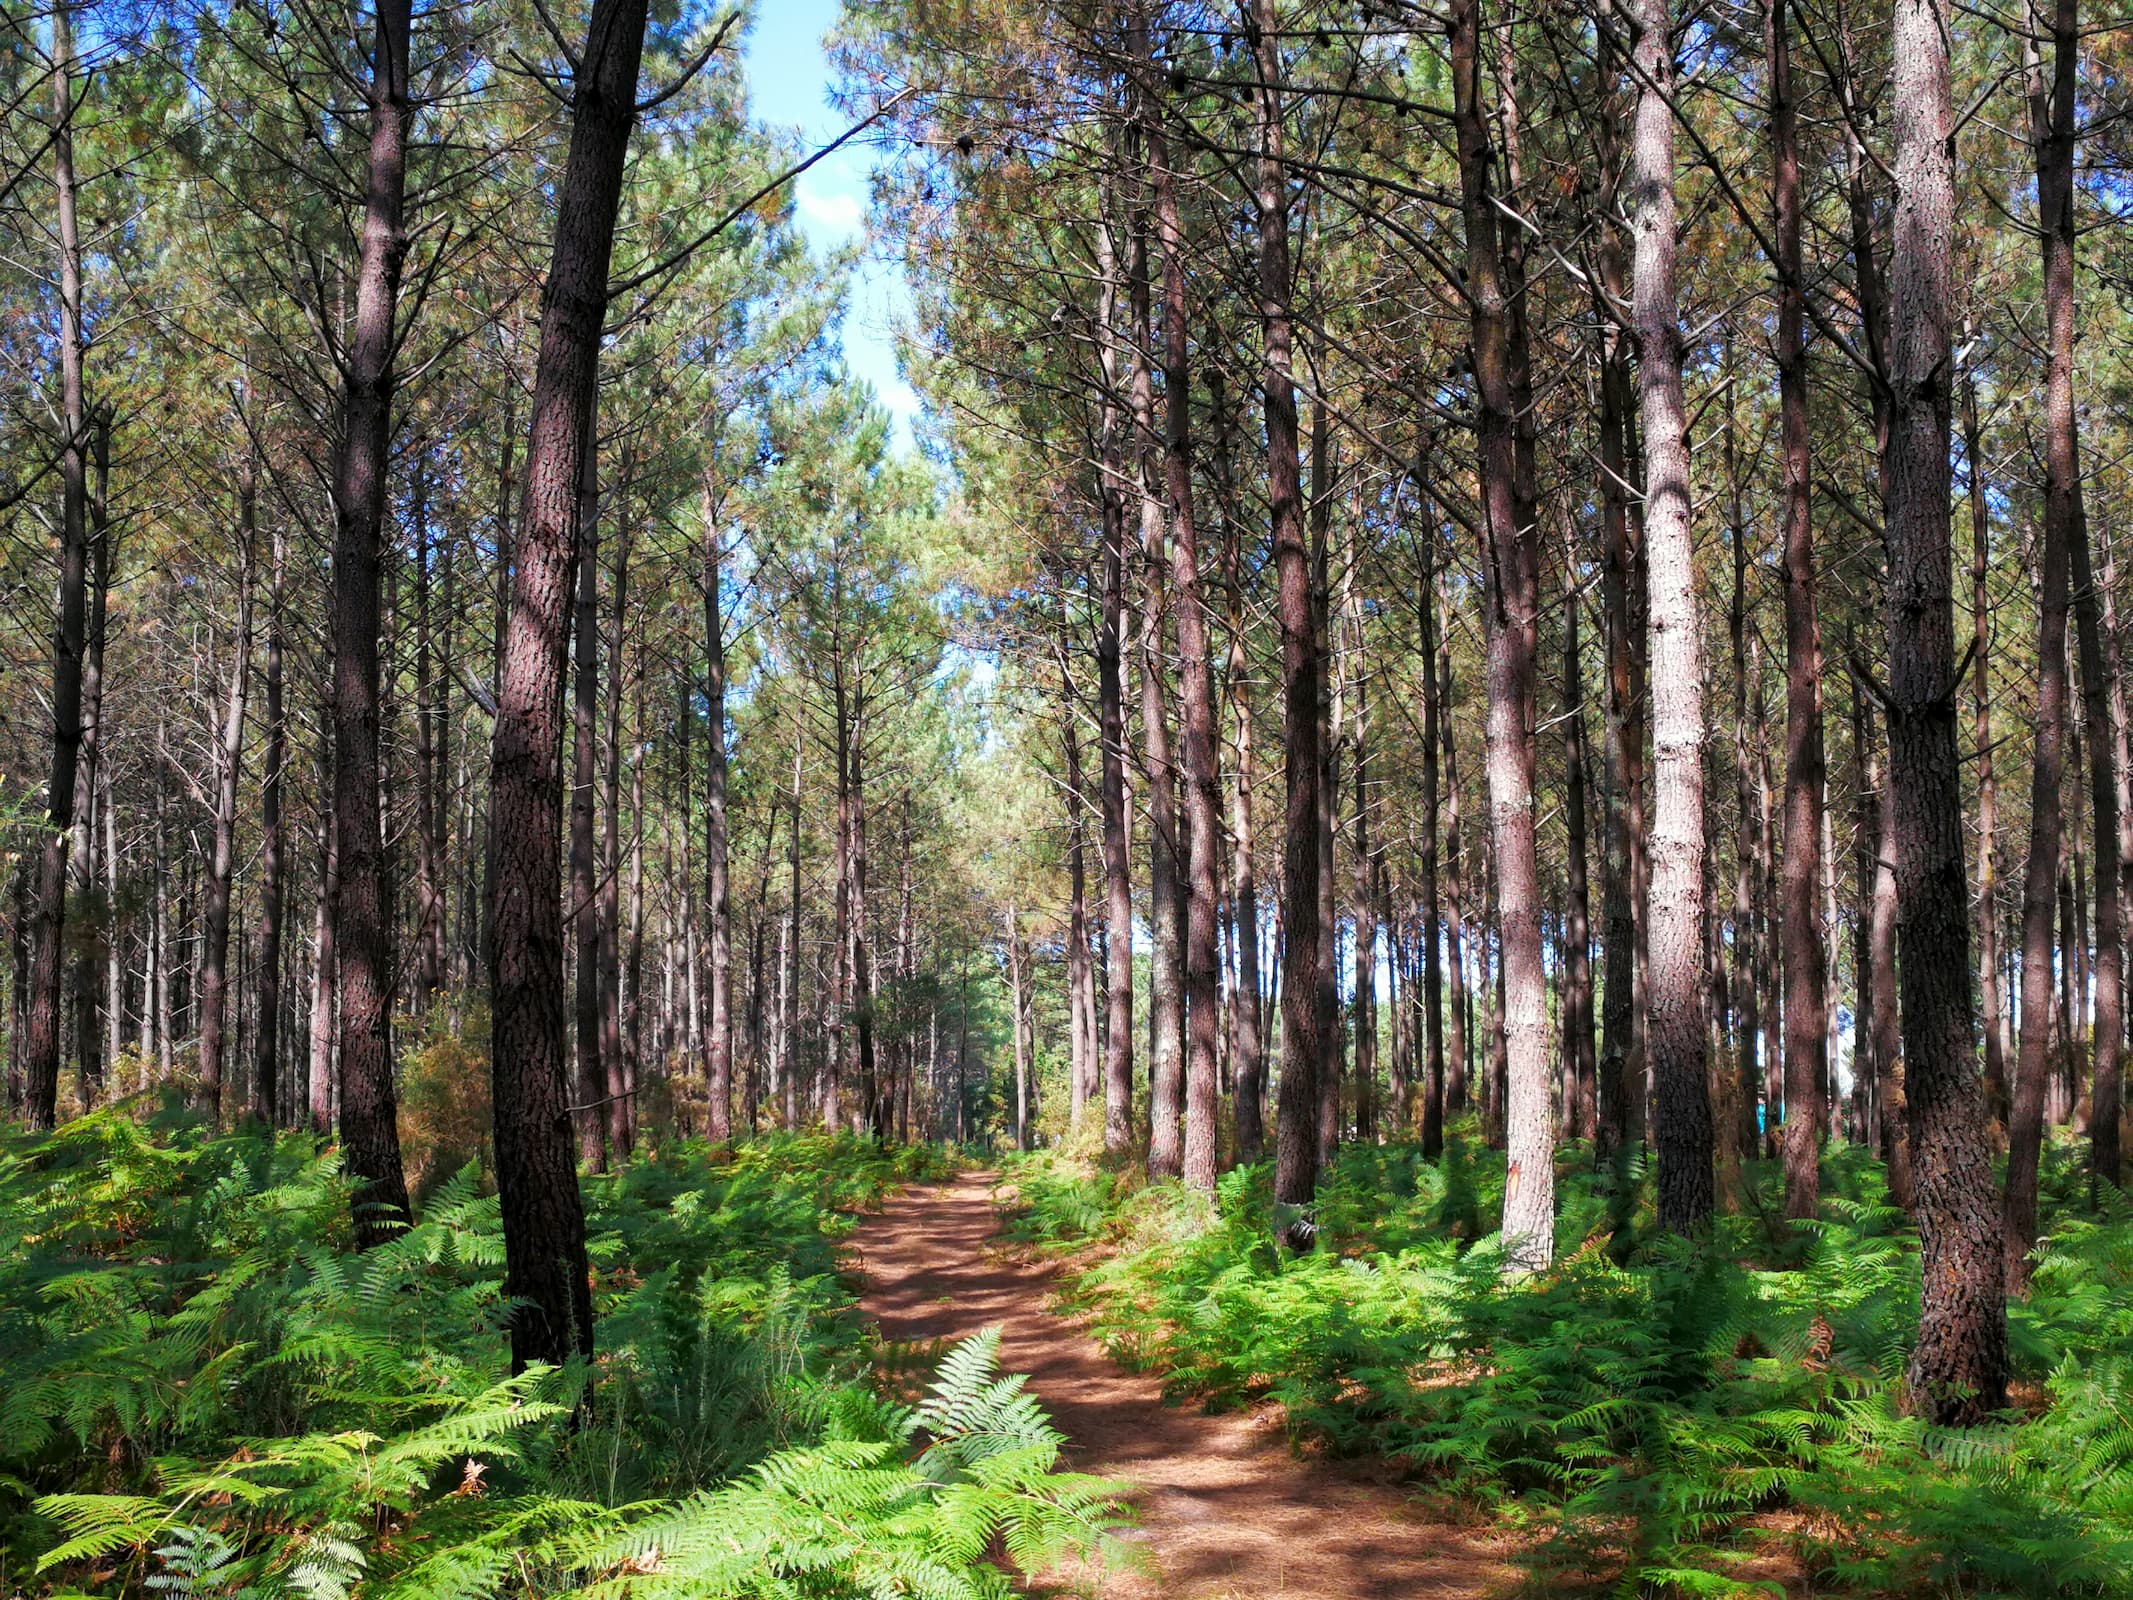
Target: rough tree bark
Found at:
x=544, y=1220
x=2064, y=562
x=1296, y=1110
x=718, y=892
x=1958, y=1369
x=363, y=934
x=222, y=851
x=1512, y=612
x=40, y=1047
x=1805, y=960
x=1203, y=956
x=1674, y=904
x=1988, y=910
x=588, y=1081
x=273, y=847
x=1111, y=720
x=2052, y=133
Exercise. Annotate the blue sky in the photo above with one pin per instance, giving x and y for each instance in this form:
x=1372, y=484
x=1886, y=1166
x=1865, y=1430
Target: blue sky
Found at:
x=789, y=80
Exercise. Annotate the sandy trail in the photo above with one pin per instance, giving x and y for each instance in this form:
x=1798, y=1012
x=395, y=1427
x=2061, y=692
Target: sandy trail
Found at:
x=1227, y=1513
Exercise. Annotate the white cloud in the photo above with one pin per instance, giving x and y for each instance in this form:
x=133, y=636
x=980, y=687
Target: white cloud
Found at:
x=837, y=215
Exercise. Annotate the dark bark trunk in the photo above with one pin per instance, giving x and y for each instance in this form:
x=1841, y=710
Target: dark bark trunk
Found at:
x=1111, y=719
x=1805, y=961
x=1958, y=1369
x=1434, y=724
x=363, y=934
x=40, y=1047
x=1332, y=1036
x=718, y=891
x=1621, y=1064
x=1296, y=1111
x=614, y=1063
x=2063, y=560
x=222, y=857
x=544, y=1221
x=321, y=1079
x=2110, y=1091
x=2052, y=136
x=1458, y=1043
x=1202, y=952
x=429, y=856
x=1580, y=1062
x=1988, y=859
x=92, y=802
x=267, y=1101
x=588, y=1080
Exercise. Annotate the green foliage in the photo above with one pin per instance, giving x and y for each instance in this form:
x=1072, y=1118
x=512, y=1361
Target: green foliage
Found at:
x=205, y=1391
x=1694, y=1419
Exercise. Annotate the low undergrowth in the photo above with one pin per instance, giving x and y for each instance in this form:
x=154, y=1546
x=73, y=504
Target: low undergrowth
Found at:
x=205, y=1391
x=1687, y=1419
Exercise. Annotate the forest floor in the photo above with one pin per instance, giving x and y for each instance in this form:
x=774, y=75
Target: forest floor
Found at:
x=1226, y=1510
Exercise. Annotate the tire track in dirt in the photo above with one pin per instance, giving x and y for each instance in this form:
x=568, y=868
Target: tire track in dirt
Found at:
x=1227, y=1512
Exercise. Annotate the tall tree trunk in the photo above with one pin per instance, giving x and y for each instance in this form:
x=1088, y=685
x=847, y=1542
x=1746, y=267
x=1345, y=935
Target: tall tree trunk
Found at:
x=545, y=1270
x=1958, y=1369
x=1332, y=707
x=222, y=859
x=1084, y=1084
x=92, y=801
x=789, y=994
x=1458, y=1043
x=1166, y=997
x=363, y=933
x=1805, y=959
x=1674, y=905
x=2064, y=559
x=2109, y=1095
x=1111, y=719
x=1296, y=1112
x=429, y=858
x=1881, y=983
x=1988, y=914
x=40, y=1047
x=1017, y=1010
x=718, y=891
x=273, y=869
x=1203, y=955
x=588, y=1080
x=614, y=1066
x=1247, y=1021
x=2052, y=136
x=1434, y=723
x=321, y=1079
x=1580, y=1063
x=1740, y=995
x=1512, y=613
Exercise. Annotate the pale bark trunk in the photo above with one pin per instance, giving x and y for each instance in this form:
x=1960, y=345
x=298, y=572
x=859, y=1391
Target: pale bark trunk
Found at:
x=1511, y=613
x=1674, y=904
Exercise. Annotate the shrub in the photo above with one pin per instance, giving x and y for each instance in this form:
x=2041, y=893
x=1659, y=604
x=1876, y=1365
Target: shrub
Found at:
x=205, y=1391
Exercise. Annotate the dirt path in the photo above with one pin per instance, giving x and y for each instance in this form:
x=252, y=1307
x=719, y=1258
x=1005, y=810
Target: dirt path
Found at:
x=1227, y=1513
